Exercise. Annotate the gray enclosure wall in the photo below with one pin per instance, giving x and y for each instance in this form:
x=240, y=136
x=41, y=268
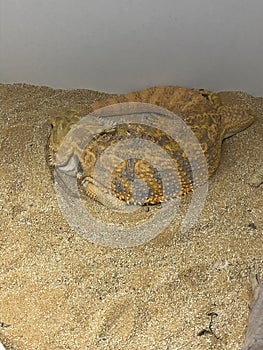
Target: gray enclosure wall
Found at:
x=121, y=45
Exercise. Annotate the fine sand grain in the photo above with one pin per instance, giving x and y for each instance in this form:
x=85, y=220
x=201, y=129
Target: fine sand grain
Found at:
x=179, y=291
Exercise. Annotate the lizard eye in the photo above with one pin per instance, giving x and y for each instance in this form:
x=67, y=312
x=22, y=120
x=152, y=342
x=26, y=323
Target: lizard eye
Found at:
x=205, y=95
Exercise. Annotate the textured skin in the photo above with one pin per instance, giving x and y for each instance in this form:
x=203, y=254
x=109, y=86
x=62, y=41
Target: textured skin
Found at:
x=209, y=119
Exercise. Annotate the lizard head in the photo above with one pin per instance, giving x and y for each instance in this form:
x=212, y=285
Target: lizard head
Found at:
x=60, y=126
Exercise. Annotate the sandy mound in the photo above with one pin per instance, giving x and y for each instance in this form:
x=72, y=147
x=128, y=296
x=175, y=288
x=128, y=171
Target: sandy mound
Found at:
x=59, y=291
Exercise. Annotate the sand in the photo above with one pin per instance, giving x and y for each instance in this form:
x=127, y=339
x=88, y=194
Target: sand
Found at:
x=178, y=291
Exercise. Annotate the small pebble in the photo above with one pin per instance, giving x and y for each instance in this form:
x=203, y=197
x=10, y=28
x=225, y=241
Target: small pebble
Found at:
x=257, y=178
x=252, y=225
